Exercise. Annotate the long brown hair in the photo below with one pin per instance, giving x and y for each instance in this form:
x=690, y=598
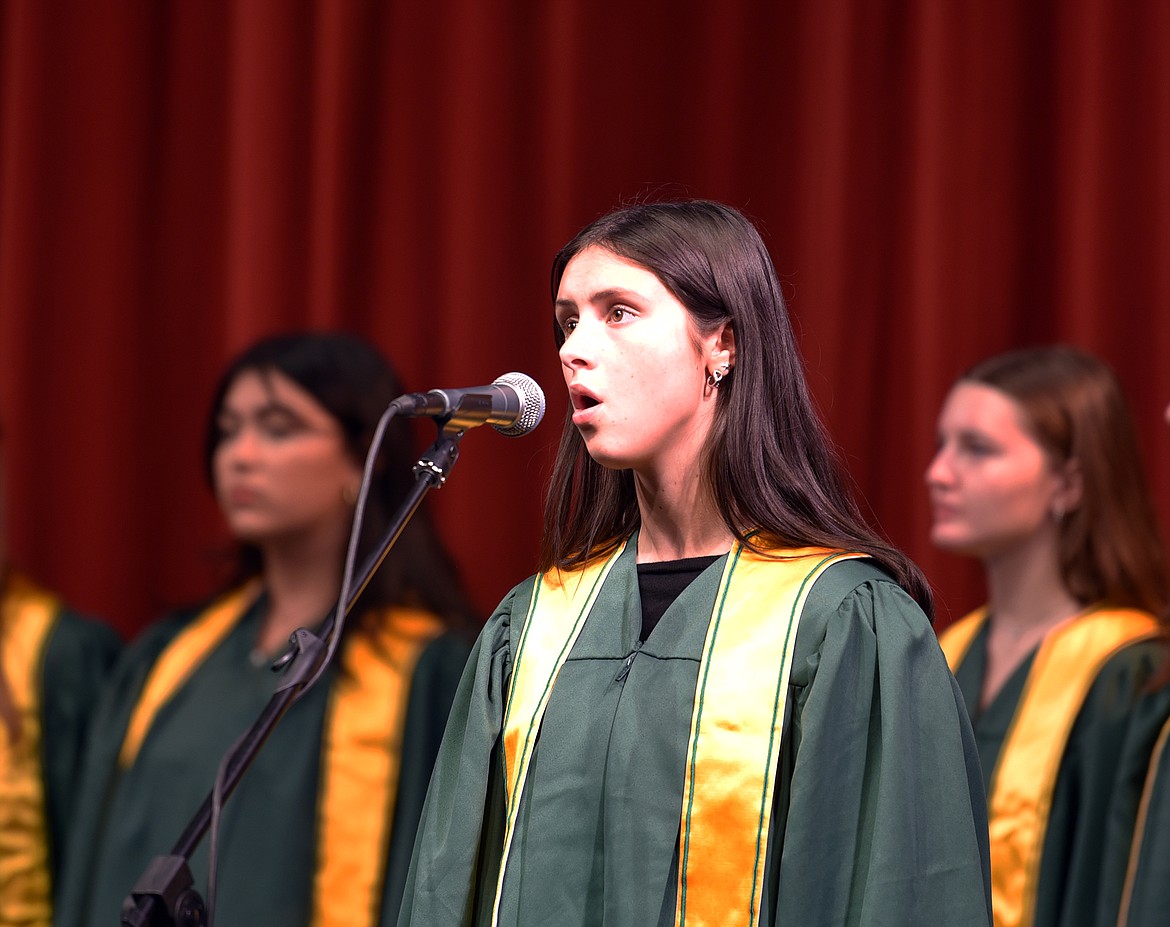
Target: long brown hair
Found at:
x=775, y=477
x=1110, y=548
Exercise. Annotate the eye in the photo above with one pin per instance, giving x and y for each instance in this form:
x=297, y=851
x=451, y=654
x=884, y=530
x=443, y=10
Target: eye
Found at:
x=226, y=427
x=975, y=447
x=568, y=325
x=278, y=424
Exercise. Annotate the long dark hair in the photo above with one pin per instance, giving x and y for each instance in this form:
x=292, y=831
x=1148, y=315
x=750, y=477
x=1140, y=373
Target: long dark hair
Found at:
x=354, y=383
x=772, y=470
x=1110, y=548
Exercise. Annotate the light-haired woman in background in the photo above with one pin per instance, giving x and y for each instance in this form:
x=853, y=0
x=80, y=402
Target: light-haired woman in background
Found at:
x=1038, y=474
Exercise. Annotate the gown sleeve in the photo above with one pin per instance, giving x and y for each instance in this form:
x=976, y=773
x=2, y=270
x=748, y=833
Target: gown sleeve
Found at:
x=456, y=853
x=880, y=802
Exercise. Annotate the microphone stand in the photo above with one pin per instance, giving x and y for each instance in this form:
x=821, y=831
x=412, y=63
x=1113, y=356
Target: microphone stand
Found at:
x=164, y=895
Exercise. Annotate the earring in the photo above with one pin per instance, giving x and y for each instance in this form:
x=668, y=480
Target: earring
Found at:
x=717, y=376
x=349, y=495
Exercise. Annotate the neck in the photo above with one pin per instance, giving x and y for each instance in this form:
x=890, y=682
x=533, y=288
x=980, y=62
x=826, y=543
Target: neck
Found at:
x=302, y=586
x=679, y=520
x=1025, y=589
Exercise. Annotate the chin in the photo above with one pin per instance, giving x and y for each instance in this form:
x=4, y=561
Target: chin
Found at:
x=606, y=457
x=952, y=543
x=247, y=531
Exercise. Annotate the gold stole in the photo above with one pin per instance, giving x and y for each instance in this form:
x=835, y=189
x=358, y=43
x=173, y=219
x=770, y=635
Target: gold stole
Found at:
x=1141, y=823
x=361, y=748
x=29, y=615
x=736, y=724
x=1022, y=784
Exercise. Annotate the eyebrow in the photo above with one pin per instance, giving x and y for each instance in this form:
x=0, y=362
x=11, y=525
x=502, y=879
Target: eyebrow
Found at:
x=599, y=296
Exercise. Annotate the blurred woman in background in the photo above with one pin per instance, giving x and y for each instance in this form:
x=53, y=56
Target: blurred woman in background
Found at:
x=1138, y=872
x=1038, y=474
x=53, y=663
x=320, y=829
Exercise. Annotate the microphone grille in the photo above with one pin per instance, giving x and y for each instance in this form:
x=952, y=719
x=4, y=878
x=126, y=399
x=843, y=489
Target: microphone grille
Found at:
x=531, y=404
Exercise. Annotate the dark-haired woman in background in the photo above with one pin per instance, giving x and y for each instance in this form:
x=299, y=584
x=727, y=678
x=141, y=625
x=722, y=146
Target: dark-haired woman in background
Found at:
x=320, y=829
x=719, y=701
x=1038, y=474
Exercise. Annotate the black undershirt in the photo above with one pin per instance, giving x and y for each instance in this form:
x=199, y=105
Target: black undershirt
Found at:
x=662, y=583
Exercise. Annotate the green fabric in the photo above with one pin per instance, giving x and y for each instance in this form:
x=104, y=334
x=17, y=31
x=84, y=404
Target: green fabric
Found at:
x=880, y=816
x=1150, y=897
x=1101, y=771
x=267, y=837
x=78, y=657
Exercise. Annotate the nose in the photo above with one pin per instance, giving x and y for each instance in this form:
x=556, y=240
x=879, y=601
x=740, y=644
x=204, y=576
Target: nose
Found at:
x=938, y=471
x=579, y=348
x=238, y=450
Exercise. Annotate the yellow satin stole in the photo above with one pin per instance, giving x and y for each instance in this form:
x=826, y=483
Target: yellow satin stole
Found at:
x=736, y=725
x=29, y=615
x=361, y=752
x=1024, y=778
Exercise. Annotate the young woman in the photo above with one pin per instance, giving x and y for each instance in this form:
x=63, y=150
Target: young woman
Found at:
x=53, y=663
x=1038, y=475
x=718, y=701
x=320, y=829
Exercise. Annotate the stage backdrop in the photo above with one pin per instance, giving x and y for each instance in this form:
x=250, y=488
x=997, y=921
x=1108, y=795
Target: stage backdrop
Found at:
x=936, y=182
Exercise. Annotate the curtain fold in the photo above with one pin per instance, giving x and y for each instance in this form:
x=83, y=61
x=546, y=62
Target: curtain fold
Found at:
x=936, y=182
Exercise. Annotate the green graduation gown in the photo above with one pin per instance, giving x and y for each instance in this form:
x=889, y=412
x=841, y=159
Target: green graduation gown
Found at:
x=1136, y=891
x=75, y=657
x=1101, y=769
x=879, y=812
x=268, y=836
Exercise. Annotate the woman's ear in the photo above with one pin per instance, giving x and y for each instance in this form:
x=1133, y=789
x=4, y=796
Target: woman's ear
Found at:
x=1070, y=488
x=723, y=352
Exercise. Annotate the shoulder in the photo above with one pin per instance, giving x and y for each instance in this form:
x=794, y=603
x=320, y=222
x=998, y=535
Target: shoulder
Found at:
x=1124, y=676
x=78, y=637
x=142, y=652
x=856, y=608
x=507, y=619
x=859, y=590
x=79, y=657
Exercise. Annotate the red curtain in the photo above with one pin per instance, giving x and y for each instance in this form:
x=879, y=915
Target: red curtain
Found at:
x=937, y=182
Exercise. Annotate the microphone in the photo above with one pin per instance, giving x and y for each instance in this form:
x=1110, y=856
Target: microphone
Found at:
x=512, y=404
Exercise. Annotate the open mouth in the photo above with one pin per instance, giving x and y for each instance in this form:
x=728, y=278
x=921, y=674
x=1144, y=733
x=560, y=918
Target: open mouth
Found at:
x=582, y=400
